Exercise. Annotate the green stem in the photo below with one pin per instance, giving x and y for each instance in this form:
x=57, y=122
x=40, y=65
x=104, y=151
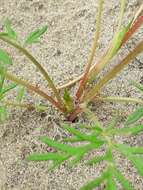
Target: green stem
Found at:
x=34, y=89
x=37, y=64
x=120, y=99
x=112, y=73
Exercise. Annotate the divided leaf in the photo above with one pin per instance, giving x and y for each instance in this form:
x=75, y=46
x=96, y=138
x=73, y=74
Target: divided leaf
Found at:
x=94, y=137
x=76, y=153
x=83, y=137
x=33, y=37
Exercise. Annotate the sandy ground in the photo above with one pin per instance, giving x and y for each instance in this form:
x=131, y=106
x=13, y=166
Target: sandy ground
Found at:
x=63, y=51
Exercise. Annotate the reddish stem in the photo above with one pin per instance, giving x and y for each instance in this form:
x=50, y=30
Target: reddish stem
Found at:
x=74, y=114
x=137, y=24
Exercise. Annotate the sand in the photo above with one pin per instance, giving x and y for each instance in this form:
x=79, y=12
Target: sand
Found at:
x=63, y=51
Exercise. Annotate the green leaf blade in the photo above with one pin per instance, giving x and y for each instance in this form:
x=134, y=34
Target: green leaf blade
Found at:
x=46, y=157
x=20, y=94
x=111, y=185
x=137, y=162
x=95, y=183
x=5, y=58
x=8, y=88
x=130, y=150
x=135, y=116
x=96, y=160
x=137, y=85
x=9, y=31
x=3, y=113
x=127, y=130
x=135, y=159
x=33, y=37
x=59, y=146
x=68, y=101
x=124, y=182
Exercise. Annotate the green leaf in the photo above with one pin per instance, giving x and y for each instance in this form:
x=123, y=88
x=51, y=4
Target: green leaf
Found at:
x=96, y=160
x=72, y=139
x=9, y=31
x=68, y=101
x=3, y=113
x=130, y=150
x=138, y=163
x=96, y=127
x=54, y=165
x=71, y=151
x=59, y=146
x=76, y=159
x=125, y=183
x=20, y=94
x=122, y=10
x=113, y=123
x=90, y=138
x=135, y=159
x=66, y=96
x=46, y=157
x=95, y=183
x=33, y=37
x=8, y=88
x=127, y=130
x=111, y=185
x=117, y=40
x=41, y=108
x=2, y=78
x=5, y=58
x=135, y=116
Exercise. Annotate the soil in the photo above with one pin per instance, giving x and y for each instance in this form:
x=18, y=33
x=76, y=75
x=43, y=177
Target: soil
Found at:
x=63, y=51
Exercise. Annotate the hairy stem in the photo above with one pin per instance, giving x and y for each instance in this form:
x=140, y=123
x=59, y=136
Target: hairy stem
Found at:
x=120, y=99
x=138, y=13
x=137, y=22
x=112, y=73
x=94, y=46
x=122, y=10
x=29, y=106
x=108, y=55
x=34, y=89
x=37, y=64
x=21, y=105
x=136, y=25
